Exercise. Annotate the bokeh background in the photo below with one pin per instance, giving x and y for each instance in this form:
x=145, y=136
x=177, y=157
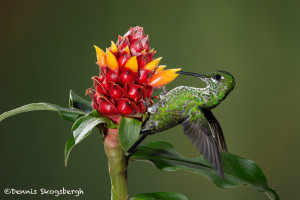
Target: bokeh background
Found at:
x=46, y=49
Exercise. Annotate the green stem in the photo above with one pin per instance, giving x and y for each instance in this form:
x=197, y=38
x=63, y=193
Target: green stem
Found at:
x=117, y=163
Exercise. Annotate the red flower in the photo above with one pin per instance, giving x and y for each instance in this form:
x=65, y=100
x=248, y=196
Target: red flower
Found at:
x=128, y=76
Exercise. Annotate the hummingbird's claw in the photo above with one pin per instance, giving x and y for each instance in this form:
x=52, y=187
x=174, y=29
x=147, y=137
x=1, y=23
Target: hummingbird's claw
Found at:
x=163, y=94
x=146, y=102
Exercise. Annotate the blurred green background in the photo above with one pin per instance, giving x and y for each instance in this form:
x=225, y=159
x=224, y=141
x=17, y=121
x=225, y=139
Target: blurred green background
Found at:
x=47, y=49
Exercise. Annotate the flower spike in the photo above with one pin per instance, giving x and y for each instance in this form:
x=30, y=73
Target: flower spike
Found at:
x=128, y=76
x=101, y=57
x=164, y=77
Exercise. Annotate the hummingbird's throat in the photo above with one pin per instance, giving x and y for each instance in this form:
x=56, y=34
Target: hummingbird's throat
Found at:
x=212, y=94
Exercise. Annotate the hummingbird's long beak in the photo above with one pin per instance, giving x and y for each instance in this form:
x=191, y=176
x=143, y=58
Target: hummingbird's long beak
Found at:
x=202, y=77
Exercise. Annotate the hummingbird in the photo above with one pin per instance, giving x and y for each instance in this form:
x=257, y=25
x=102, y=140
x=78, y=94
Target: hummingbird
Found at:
x=191, y=107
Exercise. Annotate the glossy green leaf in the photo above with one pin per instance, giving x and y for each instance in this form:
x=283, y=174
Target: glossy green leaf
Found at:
x=70, y=114
x=237, y=170
x=129, y=131
x=85, y=124
x=83, y=127
x=159, y=196
x=76, y=101
x=68, y=147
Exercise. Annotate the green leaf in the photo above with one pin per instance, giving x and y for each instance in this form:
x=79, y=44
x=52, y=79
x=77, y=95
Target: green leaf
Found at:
x=76, y=101
x=159, y=196
x=68, y=147
x=85, y=124
x=129, y=131
x=83, y=127
x=70, y=114
x=237, y=170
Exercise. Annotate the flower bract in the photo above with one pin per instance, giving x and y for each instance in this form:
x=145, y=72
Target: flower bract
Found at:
x=128, y=76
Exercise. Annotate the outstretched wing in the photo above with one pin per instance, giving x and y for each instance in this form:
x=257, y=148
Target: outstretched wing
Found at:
x=216, y=129
x=197, y=128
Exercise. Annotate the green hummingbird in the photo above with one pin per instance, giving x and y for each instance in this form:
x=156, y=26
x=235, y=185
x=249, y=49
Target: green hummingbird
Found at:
x=191, y=107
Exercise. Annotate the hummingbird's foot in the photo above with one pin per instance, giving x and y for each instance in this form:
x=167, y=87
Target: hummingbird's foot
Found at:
x=163, y=94
x=153, y=109
x=146, y=102
x=150, y=109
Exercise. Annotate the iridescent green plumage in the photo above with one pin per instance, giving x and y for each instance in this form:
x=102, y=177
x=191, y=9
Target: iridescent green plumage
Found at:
x=190, y=107
x=184, y=100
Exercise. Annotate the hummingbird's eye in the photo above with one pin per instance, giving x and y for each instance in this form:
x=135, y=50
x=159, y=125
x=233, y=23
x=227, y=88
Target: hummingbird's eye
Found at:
x=218, y=77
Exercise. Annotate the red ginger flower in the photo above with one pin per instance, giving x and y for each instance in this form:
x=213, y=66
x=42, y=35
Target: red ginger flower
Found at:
x=128, y=76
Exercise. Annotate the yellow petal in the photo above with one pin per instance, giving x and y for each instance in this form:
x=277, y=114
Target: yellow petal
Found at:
x=144, y=51
x=127, y=49
x=113, y=47
x=164, y=77
x=101, y=57
x=152, y=65
x=160, y=68
x=132, y=64
x=151, y=50
x=111, y=60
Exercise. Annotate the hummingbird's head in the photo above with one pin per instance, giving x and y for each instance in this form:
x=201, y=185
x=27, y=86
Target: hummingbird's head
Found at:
x=219, y=83
x=219, y=80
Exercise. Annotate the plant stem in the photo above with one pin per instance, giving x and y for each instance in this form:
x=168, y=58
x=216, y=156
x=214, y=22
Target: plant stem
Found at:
x=117, y=163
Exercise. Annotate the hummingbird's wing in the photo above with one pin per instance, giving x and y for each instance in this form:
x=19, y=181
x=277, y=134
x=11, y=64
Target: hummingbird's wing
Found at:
x=197, y=128
x=216, y=129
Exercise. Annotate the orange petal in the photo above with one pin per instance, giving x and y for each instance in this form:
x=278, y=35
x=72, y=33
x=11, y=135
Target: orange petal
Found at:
x=152, y=65
x=101, y=57
x=111, y=60
x=160, y=68
x=132, y=64
x=113, y=47
x=164, y=77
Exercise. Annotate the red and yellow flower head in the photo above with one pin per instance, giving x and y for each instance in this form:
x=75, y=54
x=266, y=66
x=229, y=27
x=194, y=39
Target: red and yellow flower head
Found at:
x=128, y=76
